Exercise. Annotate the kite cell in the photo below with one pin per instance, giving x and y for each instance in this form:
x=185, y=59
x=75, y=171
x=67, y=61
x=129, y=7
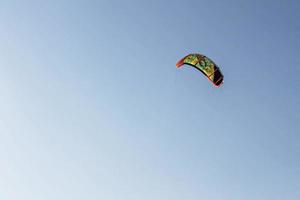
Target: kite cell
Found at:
x=204, y=65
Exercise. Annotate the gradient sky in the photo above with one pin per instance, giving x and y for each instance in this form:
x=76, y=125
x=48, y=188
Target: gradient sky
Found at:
x=92, y=106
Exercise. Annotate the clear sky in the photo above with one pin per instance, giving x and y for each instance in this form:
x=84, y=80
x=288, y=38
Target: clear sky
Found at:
x=92, y=106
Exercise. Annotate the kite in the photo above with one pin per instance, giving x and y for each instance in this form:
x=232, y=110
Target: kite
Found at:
x=204, y=65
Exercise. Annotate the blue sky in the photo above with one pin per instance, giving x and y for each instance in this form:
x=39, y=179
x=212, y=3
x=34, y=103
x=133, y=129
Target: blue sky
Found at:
x=92, y=106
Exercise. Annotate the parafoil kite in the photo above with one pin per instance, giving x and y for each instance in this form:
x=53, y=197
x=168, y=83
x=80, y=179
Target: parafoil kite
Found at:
x=204, y=65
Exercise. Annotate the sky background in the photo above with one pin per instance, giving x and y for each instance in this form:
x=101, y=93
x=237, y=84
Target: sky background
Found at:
x=92, y=106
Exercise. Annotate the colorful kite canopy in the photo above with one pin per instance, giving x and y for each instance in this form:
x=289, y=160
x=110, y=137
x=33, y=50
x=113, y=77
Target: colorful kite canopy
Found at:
x=204, y=65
